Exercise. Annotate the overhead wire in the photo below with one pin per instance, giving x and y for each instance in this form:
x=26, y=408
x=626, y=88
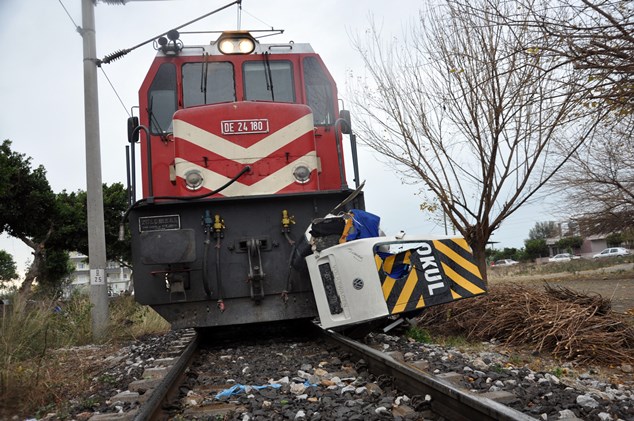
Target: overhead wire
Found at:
x=79, y=29
x=259, y=20
x=115, y=92
x=118, y=54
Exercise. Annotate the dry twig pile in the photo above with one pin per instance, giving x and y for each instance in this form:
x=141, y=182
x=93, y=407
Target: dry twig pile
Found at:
x=569, y=325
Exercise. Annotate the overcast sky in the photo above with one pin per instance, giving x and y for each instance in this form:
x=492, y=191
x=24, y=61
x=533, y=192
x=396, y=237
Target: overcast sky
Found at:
x=41, y=86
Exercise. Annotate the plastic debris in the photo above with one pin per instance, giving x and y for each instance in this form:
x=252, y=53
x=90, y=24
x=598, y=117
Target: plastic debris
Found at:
x=239, y=388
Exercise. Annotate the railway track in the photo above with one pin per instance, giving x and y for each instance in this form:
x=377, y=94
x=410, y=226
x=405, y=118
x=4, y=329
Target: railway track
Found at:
x=446, y=401
x=167, y=386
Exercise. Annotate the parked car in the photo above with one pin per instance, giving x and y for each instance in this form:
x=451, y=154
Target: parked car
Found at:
x=563, y=257
x=612, y=252
x=505, y=262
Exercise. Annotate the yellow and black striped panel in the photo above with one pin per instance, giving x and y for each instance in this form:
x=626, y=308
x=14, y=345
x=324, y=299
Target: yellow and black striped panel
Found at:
x=436, y=272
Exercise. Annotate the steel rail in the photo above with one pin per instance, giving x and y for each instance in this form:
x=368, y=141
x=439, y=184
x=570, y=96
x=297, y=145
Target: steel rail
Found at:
x=150, y=409
x=447, y=400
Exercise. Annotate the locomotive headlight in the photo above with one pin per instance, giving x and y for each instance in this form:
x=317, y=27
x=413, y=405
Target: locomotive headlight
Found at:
x=246, y=46
x=301, y=174
x=236, y=42
x=193, y=179
x=227, y=46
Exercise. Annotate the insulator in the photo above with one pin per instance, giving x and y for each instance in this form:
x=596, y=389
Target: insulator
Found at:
x=115, y=56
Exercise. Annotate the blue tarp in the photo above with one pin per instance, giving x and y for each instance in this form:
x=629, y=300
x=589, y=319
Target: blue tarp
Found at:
x=239, y=388
x=364, y=225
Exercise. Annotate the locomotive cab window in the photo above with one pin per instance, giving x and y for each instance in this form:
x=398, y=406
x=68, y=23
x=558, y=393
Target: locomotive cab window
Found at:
x=162, y=99
x=318, y=92
x=208, y=83
x=268, y=80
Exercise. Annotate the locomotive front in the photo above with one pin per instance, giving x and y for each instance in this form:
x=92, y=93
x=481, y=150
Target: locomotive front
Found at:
x=242, y=151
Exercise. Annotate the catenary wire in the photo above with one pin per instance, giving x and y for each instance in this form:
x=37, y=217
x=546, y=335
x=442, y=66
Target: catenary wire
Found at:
x=77, y=27
x=259, y=20
x=115, y=92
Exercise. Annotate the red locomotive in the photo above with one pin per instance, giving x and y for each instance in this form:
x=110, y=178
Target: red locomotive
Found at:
x=242, y=150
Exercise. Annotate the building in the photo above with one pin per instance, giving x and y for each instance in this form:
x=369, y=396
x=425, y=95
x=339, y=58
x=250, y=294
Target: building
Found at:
x=591, y=244
x=118, y=276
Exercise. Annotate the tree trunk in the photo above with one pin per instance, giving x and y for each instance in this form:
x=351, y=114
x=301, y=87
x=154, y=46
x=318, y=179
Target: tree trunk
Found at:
x=477, y=237
x=480, y=258
x=35, y=269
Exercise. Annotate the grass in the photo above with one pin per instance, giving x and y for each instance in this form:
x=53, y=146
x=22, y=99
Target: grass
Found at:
x=425, y=337
x=576, y=267
x=559, y=372
x=419, y=335
x=32, y=331
x=131, y=320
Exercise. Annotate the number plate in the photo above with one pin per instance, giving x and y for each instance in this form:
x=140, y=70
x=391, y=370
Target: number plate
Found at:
x=244, y=126
x=157, y=223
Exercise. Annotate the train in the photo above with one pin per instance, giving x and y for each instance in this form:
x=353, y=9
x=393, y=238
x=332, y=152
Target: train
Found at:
x=245, y=193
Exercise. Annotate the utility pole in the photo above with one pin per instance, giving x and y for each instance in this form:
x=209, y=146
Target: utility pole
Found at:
x=94, y=189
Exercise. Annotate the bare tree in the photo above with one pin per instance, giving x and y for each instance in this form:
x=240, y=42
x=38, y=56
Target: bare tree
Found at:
x=597, y=38
x=598, y=182
x=598, y=35
x=469, y=108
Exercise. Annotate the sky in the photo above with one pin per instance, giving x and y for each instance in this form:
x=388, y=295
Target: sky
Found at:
x=41, y=87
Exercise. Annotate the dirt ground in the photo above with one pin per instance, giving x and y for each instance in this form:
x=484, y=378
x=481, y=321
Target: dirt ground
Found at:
x=615, y=282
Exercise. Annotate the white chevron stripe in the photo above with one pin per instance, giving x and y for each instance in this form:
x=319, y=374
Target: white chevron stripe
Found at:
x=230, y=150
x=269, y=185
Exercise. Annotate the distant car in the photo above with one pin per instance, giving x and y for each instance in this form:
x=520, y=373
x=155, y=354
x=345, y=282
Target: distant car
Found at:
x=563, y=257
x=612, y=252
x=505, y=262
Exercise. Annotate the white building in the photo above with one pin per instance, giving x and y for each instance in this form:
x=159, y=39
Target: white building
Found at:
x=117, y=275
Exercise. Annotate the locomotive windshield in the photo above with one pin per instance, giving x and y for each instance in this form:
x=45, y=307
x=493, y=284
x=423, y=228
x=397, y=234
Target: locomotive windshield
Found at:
x=162, y=99
x=268, y=81
x=208, y=83
x=318, y=92
x=212, y=82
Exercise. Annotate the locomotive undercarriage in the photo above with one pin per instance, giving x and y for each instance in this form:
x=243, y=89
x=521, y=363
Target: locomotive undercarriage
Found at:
x=227, y=261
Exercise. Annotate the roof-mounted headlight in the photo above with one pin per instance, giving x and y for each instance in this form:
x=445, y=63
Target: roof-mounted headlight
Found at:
x=236, y=42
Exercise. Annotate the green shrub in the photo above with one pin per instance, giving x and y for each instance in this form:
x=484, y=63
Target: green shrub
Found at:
x=419, y=335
